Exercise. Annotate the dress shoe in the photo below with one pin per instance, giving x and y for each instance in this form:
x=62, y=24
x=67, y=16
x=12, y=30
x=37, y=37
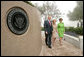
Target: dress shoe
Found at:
x=46, y=44
x=49, y=46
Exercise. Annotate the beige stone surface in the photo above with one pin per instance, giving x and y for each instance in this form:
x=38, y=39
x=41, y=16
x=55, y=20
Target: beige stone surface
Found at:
x=28, y=44
x=66, y=49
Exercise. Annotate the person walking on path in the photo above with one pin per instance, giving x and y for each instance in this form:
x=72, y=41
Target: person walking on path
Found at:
x=54, y=31
x=61, y=30
x=48, y=31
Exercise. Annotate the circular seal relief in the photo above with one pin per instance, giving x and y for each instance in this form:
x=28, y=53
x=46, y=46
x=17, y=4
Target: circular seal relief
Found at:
x=17, y=21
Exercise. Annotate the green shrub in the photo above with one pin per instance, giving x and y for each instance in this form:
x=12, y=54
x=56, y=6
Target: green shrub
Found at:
x=77, y=30
x=71, y=29
x=67, y=29
x=42, y=28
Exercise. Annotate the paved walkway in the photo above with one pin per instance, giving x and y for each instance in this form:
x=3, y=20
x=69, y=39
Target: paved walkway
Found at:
x=66, y=49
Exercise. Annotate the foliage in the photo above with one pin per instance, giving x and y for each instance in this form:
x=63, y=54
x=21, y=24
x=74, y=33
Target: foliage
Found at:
x=42, y=28
x=49, y=9
x=77, y=14
x=29, y=3
x=77, y=30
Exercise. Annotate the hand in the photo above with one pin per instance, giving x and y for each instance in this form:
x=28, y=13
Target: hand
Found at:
x=57, y=31
x=46, y=32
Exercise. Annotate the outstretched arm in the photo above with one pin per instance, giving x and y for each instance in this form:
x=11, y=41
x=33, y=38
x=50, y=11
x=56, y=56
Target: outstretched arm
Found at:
x=56, y=29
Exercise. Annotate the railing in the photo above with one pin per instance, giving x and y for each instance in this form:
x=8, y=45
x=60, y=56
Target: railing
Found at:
x=78, y=42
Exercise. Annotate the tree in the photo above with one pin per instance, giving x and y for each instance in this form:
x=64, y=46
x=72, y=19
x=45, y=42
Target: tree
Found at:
x=29, y=2
x=77, y=14
x=49, y=9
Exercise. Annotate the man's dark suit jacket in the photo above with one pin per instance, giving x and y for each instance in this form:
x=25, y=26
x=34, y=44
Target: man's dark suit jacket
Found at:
x=47, y=27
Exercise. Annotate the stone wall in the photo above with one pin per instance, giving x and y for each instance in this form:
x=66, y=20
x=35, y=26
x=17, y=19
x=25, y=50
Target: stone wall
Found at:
x=78, y=42
x=27, y=44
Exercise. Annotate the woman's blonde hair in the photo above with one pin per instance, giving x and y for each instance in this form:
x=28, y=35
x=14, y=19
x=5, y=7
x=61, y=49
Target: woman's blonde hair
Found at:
x=53, y=21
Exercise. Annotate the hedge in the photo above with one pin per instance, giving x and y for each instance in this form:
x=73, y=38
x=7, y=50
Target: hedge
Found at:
x=77, y=30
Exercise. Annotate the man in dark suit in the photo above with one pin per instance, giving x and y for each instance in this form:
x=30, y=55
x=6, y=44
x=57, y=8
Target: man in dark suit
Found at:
x=48, y=31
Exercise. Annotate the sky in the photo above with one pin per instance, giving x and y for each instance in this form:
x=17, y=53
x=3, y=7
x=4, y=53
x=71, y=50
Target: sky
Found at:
x=64, y=7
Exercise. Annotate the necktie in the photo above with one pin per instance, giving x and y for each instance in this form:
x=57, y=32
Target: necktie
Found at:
x=50, y=23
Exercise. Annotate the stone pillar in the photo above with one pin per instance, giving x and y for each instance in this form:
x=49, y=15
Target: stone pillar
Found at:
x=27, y=44
x=81, y=42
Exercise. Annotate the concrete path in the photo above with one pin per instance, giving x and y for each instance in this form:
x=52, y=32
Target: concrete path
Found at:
x=66, y=49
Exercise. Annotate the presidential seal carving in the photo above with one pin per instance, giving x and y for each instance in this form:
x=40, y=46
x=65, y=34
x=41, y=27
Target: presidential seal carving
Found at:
x=17, y=21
